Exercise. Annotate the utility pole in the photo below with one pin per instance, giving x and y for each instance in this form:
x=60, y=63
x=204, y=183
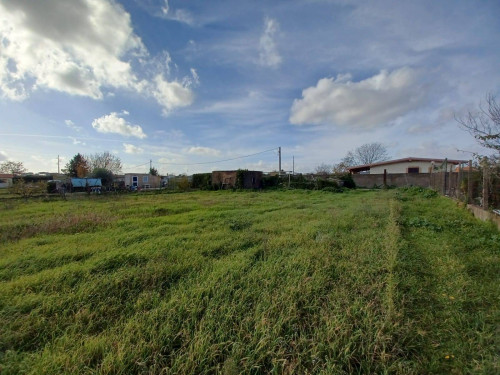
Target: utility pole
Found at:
x=58, y=170
x=279, y=156
x=150, y=164
x=293, y=165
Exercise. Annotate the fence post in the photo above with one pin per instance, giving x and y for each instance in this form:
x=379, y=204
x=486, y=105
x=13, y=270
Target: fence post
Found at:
x=459, y=181
x=445, y=169
x=469, y=183
x=486, y=180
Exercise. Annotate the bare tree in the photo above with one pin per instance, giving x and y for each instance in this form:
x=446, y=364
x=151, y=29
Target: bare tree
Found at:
x=13, y=167
x=365, y=154
x=323, y=169
x=484, y=124
x=105, y=160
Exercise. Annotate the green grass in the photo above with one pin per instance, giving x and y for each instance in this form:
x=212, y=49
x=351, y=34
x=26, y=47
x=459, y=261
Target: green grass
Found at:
x=396, y=282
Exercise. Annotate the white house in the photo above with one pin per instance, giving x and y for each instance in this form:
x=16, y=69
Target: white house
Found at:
x=407, y=165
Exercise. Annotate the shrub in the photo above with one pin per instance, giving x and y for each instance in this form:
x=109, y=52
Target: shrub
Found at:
x=202, y=181
x=28, y=189
x=348, y=181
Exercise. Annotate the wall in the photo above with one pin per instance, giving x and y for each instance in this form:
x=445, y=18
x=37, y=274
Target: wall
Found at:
x=393, y=179
x=5, y=182
x=401, y=167
x=484, y=215
x=153, y=181
x=227, y=179
x=252, y=180
x=224, y=179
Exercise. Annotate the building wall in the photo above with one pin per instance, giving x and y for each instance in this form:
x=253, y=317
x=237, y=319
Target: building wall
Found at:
x=227, y=179
x=5, y=182
x=152, y=181
x=224, y=179
x=402, y=167
x=252, y=180
x=393, y=179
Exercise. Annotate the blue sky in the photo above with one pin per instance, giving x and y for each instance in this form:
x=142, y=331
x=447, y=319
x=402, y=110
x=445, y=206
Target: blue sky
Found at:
x=187, y=82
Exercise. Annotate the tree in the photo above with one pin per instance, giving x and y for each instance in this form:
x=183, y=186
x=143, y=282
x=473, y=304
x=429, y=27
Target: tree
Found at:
x=12, y=167
x=78, y=166
x=105, y=160
x=341, y=167
x=153, y=171
x=105, y=175
x=365, y=154
x=484, y=124
x=323, y=169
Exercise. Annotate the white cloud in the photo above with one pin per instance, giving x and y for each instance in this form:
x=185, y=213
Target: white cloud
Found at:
x=171, y=94
x=131, y=149
x=203, y=151
x=113, y=123
x=367, y=103
x=432, y=149
x=180, y=15
x=3, y=156
x=76, y=47
x=77, y=142
x=82, y=47
x=269, y=55
x=70, y=124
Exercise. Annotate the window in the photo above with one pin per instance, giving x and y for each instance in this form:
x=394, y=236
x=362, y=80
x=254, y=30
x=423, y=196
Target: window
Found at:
x=134, y=180
x=145, y=179
x=413, y=169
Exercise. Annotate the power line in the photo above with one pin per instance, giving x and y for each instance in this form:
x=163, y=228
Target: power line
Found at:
x=220, y=161
x=141, y=165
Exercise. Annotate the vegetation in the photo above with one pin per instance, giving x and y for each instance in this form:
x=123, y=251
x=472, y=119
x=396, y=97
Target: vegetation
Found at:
x=104, y=174
x=104, y=160
x=98, y=165
x=78, y=166
x=367, y=153
x=12, y=167
x=27, y=189
x=484, y=124
x=297, y=281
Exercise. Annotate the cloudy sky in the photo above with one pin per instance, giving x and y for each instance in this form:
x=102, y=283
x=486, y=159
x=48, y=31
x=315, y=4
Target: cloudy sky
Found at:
x=183, y=83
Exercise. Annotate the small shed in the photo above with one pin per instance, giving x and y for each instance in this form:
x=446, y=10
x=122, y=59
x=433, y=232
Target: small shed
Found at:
x=237, y=179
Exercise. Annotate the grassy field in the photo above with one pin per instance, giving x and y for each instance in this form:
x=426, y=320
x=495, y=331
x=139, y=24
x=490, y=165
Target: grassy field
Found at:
x=302, y=282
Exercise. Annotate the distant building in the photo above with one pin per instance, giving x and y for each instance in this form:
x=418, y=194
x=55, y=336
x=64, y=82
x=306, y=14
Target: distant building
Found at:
x=405, y=165
x=229, y=179
x=142, y=181
x=5, y=180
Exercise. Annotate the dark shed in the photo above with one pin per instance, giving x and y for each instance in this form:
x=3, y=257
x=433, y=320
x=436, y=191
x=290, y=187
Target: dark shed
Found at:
x=237, y=179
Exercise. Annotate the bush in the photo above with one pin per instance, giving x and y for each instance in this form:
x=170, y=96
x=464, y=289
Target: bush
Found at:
x=270, y=181
x=348, y=181
x=202, y=181
x=28, y=189
x=183, y=183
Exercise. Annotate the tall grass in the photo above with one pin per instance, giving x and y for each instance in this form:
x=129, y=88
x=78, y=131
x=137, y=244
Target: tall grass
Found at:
x=247, y=282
